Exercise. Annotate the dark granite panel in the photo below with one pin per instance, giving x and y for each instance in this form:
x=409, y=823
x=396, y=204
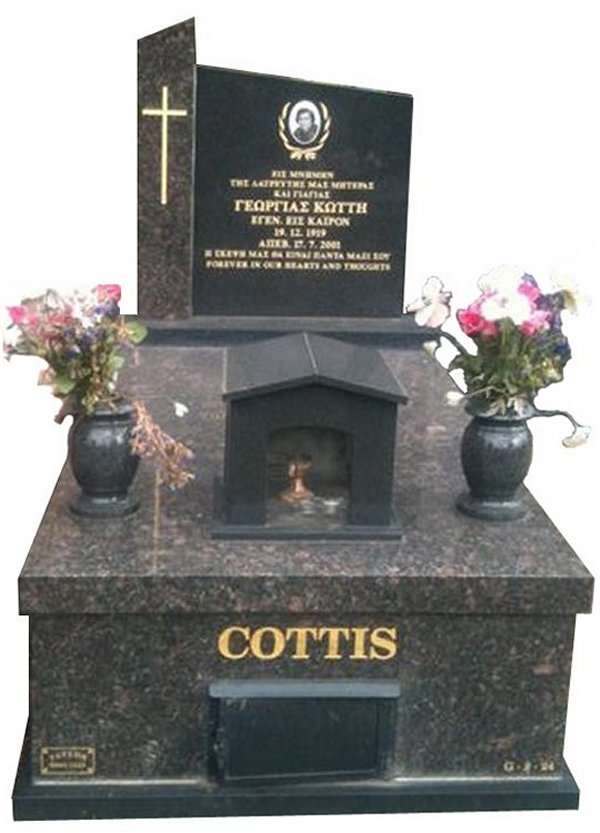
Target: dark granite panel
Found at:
x=478, y=695
x=240, y=117
x=166, y=59
x=445, y=563
x=214, y=329
x=286, y=361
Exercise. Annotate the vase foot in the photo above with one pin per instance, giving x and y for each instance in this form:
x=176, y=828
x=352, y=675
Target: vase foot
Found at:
x=104, y=507
x=491, y=510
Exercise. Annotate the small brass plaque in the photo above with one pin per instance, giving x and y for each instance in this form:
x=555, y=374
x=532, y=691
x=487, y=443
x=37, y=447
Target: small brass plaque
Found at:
x=67, y=760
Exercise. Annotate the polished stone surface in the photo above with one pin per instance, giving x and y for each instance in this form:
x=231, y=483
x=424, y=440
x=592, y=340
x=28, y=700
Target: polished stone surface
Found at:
x=306, y=358
x=168, y=562
x=279, y=235
x=125, y=614
x=214, y=329
x=329, y=406
x=478, y=694
x=166, y=59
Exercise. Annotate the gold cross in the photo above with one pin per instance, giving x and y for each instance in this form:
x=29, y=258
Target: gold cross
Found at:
x=164, y=113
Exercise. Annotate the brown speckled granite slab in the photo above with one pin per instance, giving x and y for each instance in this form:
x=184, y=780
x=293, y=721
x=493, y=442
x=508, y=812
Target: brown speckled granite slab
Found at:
x=166, y=58
x=476, y=692
x=445, y=563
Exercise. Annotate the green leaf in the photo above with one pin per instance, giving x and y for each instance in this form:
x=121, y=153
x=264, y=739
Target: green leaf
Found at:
x=63, y=385
x=136, y=331
x=116, y=363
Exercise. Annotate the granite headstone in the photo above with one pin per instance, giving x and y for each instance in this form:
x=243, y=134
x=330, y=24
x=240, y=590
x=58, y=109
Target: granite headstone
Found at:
x=286, y=224
x=299, y=191
x=166, y=95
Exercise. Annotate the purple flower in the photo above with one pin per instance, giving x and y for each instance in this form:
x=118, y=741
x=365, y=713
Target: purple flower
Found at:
x=554, y=304
x=88, y=337
x=529, y=279
x=108, y=309
x=563, y=349
x=554, y=301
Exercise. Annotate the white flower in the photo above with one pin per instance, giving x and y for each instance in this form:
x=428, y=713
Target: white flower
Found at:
x=432, y=308
x=454, y=398
x=513, y=305
x=430, y=347
x=10, y=335
x=573, y=298
x=503, y=279
x=181, y=410
x=520, y=405
x=578, y=437
x=51, y=298
x=30, y=291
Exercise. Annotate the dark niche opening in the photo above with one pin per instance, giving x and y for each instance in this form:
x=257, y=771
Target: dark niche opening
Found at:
x=286, y=730
x=308, y=477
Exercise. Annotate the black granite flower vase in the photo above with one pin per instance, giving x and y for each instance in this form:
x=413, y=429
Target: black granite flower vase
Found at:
x=496, y=454
x=102, y=461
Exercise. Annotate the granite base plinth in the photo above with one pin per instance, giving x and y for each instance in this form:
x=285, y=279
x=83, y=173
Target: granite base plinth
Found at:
x=134, y=622
x=32, y=802
x=280, y=533
x=222, y=330
x=291, y=524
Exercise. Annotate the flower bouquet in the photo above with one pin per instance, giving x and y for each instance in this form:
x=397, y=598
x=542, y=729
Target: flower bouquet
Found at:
x=84, y=340
x=517, y=348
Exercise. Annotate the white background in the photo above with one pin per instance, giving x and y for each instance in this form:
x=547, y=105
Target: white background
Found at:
x=505, y=169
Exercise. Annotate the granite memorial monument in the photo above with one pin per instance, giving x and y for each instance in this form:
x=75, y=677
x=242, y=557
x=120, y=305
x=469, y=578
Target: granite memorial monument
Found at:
x=175, y=673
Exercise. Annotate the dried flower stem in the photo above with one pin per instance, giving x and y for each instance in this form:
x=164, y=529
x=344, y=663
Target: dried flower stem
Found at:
x=170, y=455
x=157, y=508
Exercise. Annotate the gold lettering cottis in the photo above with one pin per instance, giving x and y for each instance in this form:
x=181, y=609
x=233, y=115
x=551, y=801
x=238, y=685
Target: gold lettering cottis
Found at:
x=269, y=642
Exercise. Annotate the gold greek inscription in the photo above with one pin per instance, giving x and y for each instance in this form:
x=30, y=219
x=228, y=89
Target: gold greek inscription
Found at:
x=308, y=212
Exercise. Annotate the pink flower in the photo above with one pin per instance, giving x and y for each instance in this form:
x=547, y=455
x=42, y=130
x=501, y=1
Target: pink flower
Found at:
x=17, y=314
x=108, y=292
x=530, y=290
x=537, y=321
x=22, y=317
x=59, y=319
x=473, y=323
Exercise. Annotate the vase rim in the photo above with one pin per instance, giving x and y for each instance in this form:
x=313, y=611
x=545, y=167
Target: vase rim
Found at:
x=477, y=408
x=119, y=407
